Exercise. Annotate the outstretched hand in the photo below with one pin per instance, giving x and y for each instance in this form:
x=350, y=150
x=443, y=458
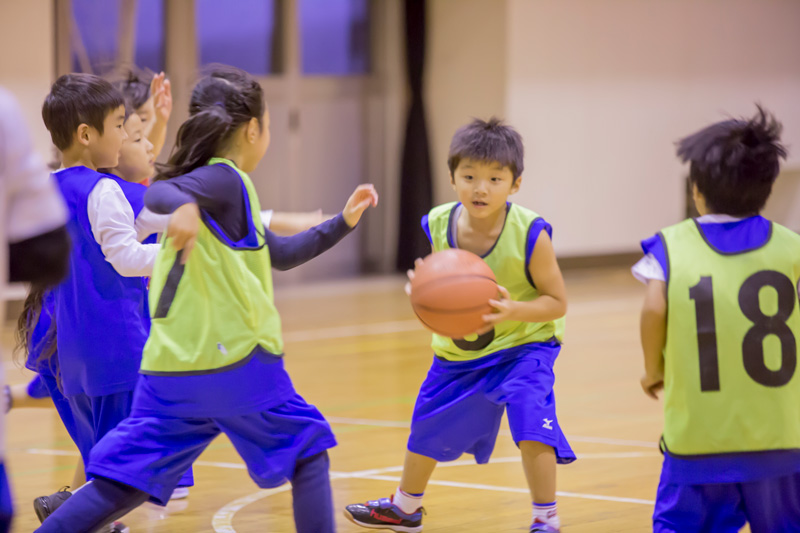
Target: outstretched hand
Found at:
x=363, y=197
x=183, y=227
x=161, y=91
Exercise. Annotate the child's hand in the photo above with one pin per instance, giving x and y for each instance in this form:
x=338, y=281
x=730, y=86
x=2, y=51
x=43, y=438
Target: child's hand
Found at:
x=363, y=197
x=504, y=309
x=411, y=274
x=161, y=89
x=183, y=227
x=652, y=385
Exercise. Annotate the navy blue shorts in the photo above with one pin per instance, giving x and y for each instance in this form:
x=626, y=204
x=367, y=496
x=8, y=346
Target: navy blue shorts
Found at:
x=769, y=506
x=460, y=404
x=6, y=509
x=151, y=452
x=95, y=416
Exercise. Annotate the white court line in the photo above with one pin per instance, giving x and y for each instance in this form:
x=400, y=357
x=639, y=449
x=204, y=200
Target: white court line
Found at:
x=223, y=519
x=41, y=451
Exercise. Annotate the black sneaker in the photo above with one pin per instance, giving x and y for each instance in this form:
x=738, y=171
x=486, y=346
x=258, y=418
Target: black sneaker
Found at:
x=118, y=527
x=383, y=514
x=45, y=505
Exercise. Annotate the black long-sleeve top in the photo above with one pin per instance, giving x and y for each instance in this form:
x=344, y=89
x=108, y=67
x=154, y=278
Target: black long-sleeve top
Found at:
x=218, y=192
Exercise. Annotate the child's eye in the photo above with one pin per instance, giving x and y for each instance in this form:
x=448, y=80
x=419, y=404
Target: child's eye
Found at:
x=468, y=178
x=497, y=179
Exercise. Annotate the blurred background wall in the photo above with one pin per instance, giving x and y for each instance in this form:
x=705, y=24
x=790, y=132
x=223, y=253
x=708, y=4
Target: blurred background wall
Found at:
x=599, y=89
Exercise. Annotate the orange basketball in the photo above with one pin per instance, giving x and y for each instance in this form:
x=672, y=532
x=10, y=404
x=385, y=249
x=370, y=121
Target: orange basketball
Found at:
x=450, y=292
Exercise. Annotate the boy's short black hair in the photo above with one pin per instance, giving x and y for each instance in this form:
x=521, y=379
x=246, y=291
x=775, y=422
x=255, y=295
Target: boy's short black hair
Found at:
x=488, y=141
x=77, y=99
x=134, y=84
x=735, y=162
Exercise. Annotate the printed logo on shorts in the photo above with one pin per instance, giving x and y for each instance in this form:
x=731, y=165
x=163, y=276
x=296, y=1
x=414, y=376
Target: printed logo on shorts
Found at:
x=221, y=348
x=548, y=423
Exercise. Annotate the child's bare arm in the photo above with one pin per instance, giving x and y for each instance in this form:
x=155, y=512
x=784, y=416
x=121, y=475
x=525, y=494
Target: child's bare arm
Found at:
x=552, y=301
x=654, y=336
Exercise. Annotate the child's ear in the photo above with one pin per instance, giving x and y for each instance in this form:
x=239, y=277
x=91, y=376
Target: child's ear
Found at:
x=516, y=185
x=83, y=134
x=253, y=130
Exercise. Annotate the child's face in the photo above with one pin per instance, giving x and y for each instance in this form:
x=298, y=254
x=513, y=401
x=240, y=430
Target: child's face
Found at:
x=147, y=113
x=136, y=159
x=104, y=148
x=483, y=188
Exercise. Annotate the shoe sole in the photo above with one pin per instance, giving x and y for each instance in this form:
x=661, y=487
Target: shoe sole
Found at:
x=398, y=529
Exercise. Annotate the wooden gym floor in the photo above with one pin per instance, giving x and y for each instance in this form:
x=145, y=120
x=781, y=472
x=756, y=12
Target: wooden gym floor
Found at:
x=355, y=350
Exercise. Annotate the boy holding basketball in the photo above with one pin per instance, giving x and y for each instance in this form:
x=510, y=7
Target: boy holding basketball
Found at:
x=720, y=326
x=508, y=364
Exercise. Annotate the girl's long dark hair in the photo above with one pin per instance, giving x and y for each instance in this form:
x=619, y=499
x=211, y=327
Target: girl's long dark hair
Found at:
x=26, y=323
x=221, y=102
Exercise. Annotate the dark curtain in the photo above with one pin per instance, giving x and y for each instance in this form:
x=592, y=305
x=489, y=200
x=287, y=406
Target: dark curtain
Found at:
x=416, y=195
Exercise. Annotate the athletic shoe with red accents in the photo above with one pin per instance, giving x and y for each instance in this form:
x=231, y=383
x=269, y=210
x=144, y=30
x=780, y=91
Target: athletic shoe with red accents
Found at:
x=383, y=514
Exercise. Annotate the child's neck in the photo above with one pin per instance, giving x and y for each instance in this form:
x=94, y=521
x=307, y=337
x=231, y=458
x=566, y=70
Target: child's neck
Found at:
x=115, y=172
x=489, y=225
x=479, y=235
x=76, y=157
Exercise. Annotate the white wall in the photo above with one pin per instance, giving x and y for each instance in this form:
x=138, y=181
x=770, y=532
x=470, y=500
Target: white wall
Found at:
x=27, y=60
x=465, y=74
x=600, y=90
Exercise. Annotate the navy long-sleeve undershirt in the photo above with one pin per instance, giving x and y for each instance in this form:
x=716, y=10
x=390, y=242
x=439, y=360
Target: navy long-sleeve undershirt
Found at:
x=217, y=190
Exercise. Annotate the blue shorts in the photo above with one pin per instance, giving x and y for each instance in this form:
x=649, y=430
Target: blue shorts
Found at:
x=62, y=407
x=94, y=416
x=151, y=452
x=770, y=506
x=37, y=388
x=6, y=509
x=460, y=404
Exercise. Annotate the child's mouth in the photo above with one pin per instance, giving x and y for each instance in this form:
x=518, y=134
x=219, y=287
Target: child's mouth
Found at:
x=479, y=204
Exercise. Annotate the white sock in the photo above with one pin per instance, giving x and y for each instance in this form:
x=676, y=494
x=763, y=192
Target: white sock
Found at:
x=547, y=513
x=406, y=502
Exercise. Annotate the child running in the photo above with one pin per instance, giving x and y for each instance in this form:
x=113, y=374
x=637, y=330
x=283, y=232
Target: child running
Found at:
x=213, y=362
x=509, y=365
x=720, y=326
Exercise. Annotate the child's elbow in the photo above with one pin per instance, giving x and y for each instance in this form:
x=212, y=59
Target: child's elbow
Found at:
x=560, y=309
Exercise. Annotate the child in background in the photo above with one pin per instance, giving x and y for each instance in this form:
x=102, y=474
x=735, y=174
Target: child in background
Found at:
x=720, y=326
x=100, y=309
x=213, y=360
x=509, y=365
x=152, y=102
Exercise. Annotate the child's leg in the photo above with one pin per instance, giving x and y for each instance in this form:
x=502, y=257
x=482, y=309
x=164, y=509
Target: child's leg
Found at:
x=79, y=478
x=288, y=442
x=21, y=397
x=99, y=502
x=417, y=471
x=539, y=462
x=312, y=498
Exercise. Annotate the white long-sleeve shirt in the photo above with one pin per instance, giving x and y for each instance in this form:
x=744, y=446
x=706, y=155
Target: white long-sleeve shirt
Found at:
x=648, y=267
x=119, y=234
